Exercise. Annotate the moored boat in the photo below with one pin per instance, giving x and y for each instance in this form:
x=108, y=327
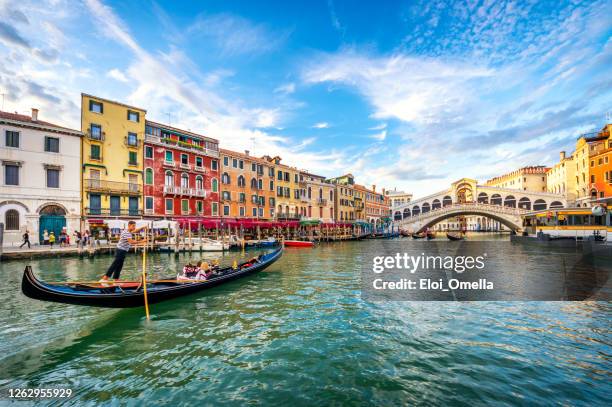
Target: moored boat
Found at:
x=298, y=243
x=418, y=235
x=455, y=236
x=125, y=294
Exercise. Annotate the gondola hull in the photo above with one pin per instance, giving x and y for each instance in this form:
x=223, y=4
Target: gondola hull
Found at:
x=113, y=297
x=454, y=237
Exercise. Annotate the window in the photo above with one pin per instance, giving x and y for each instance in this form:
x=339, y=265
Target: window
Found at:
x=271, y=172
x=95, y=131
x=261, y=212
x=214, y=165
x=169, y=156
x=225, y=178
x=199, y=182
x=253, y=183
x=295, y=178
x=199, y=207
x=226, y=161
x=226, y=196
x=272, y=202
x=133, y=116
x=132, y=158
x=148, y=152
x=242, y=197
x=184, y=159
x=149, y=203
x=149, y=176
x=241, y=181
x=132, y=139
x=169, y=178
x=184, y=180
x=185, y=206
x=214, y=208
x=242, y=211
x=241, y=164
x=11, y=219
x=226, y=210
x=215, y=185
x=260, y=184
x=96, y=107
x=12, y=139
x=11, y=174
x=94, y=152
x=52, y=178
x=234, y=163
x=280, y=175
x=51, y=144
x=199, y=162
x=271, y=185
x=254, y=212
x=286, y=175
x=253, y=167
x=169, y=205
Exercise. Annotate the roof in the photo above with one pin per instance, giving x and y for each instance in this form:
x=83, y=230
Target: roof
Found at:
x=244, y=156
x=186, y=132
x=26, y=121
x=112, y=101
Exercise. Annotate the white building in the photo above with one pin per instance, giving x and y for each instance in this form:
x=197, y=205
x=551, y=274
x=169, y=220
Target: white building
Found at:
x=40, y=177
x=397, y=198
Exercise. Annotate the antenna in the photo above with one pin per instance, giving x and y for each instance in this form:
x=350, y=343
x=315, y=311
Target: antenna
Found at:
x=169, y=118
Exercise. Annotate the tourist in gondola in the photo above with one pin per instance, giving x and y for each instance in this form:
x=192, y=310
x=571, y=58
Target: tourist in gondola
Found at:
x=126, y=240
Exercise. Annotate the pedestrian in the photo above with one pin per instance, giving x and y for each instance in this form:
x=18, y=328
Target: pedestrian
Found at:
x=26, y=239
x=62, y=238
x=51, y=239
x=86, y=237
x=45, y=237
x=123, y=246
x=77, y=237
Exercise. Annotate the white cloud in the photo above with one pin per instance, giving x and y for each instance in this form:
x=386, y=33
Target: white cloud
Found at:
x=380, y=136
x=320, y=125
x=381, y=126
x=117, y=75
x=287, y=88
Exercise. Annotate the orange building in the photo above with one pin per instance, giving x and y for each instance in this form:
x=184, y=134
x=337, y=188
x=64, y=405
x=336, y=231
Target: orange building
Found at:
x=247, y=186
x=377, y=206
x=600, y=169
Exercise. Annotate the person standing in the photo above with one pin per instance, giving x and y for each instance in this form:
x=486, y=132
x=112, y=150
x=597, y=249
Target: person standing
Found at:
x=126, y=240
x=45, y=237
x=26, y=239
x=51, y=239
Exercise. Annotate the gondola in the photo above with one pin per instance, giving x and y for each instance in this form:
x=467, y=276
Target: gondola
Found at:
x=418, y=235
x=453, y=236
x=130, y=294
x=431, y=235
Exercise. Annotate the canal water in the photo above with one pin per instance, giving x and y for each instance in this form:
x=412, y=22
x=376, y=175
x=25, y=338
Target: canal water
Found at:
x=300, y=332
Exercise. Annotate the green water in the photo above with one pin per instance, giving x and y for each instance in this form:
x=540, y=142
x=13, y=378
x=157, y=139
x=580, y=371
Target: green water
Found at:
x=301, y=333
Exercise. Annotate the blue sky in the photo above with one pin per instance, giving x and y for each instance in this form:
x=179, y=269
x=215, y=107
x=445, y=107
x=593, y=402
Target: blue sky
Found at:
x=411, y=94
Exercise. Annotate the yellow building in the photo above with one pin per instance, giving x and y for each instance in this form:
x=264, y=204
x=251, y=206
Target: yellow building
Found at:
x=588, y=146
x=360, y=193
x=111, y=157
x=288, y=200
x=345, y=197
x=561, y=179
x=319, y=197
x=524, y=179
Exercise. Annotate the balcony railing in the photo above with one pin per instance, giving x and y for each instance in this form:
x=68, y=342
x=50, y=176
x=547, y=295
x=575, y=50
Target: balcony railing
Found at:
x=176, y=190
x=288, y=216
x=96, y=185
x=322, y=201
x=200, y=169
x=181, y=145
x=172, y=190
x=112, y=212
x=185, y=166
x=95, y=137
x=169, y=164
x=131, y=143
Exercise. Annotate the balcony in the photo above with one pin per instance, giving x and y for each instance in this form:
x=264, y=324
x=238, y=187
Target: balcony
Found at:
x=171, y=164
x=304, y=199
x=200, y=169
x=132, y=163
x=95, y=137
x=288, y=216
x=148, y=211
x=132, y=143
x=322, y=202
x=111, y=187
x=112, y=212
x=181, y=145
x=172, y=190
x=185, y=166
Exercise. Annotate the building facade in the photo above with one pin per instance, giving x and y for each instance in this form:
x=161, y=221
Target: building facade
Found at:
x=525, y=179
x=247, y=186
x=359, y=198
x=561, y=179
x=289, y=203
x=112, y=158
x=345, y=197
x=41, y=178
x=397, y=198
x=319, y=197
x=181, y=172
x=588, y=147
x=377, y=206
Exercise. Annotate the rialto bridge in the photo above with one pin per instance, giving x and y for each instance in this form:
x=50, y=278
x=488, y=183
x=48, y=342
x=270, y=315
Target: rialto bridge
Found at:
x=465, y=197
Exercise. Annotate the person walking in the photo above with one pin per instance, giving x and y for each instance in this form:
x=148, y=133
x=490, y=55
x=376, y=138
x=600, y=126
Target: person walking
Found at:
x=52, y=239
x=26, y=239
x=126, y=240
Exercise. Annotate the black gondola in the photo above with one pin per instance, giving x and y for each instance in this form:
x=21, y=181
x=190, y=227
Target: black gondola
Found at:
x=418, y=235
x=452, y=236
x=125, y=295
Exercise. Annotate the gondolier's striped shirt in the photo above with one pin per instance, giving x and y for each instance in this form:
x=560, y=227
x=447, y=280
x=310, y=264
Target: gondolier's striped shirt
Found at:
x=123, y=243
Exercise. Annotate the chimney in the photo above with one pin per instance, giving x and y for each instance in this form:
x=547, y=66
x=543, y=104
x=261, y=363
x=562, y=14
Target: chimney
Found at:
x=374, y=187
x=34, y=114
x=246, y=152
x=562, y=156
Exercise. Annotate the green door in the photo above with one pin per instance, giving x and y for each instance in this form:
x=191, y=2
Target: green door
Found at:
x=51, y=223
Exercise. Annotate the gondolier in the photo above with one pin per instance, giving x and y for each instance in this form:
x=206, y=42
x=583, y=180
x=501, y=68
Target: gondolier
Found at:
x=123, y=247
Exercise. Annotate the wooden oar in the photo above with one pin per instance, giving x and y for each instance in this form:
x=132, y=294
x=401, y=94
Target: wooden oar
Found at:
x=117, y=282
x=144, y=277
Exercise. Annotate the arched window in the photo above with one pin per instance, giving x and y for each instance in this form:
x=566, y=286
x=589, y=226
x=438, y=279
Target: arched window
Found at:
x=259, y=184
x=331, y=196
x=11, y=219
x=416, y=210
x=510, y=201
x=397, y=215
x=406, y=213
x=446, y=201
x=483, y=198
x=496, y=199
x=436, y=204
x=425, y=207
x=149, y=176
x=556, y=204
x=524, y=203
x=184, y=180
x=169, y=178
x=214, y=185
x=253, y=183
x=199, y=182
x=309, y=193
x=241, y=181
x=225, y=178
x=539, y=204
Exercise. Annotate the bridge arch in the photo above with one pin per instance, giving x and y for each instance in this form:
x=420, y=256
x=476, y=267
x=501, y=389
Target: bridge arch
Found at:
x=510, y=201
x=416, y=210
x=406, y=213
x=496, y=199
x=447, y=200
x=397, y=215
x=555, y=204
x=524, y=203
x=483, y=197
x=539, y=204
x=436, y=204
x=506, y=222
x=425, y=207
